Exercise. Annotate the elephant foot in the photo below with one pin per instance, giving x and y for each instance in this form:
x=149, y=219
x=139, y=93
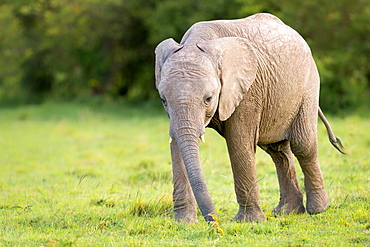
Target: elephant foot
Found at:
x=317, y=201
x=186, y=215
x=186, y=218
x=290, y=206
x=250, y=215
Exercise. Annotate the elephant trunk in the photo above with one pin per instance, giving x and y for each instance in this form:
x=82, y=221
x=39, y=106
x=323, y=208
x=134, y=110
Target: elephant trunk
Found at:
x=187, y=140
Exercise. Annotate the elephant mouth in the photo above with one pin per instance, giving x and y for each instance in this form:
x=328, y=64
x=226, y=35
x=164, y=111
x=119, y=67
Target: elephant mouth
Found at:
x=202, y=138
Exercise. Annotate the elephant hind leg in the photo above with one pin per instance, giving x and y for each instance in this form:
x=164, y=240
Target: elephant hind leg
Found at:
x=291, y=198
x=305, y=147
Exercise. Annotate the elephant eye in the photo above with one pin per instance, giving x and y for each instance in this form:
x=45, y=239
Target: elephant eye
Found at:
x=207, y=101
x=164, y=102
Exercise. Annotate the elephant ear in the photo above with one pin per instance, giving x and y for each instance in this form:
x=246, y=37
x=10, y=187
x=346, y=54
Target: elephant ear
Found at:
x=237, y=64
x=162, y=52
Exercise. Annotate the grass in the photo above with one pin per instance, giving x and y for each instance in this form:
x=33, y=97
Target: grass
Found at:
x=100, y=175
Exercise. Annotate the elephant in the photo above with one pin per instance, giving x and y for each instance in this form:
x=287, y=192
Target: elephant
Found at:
x=255, y=82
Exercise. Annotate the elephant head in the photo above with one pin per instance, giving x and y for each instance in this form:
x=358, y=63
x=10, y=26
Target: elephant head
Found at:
x=196, y=80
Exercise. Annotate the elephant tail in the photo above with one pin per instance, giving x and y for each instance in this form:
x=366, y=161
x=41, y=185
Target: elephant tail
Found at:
x=335, y=141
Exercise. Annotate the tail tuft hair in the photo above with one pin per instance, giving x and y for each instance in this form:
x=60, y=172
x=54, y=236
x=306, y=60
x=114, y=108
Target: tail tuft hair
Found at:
x=338, y=145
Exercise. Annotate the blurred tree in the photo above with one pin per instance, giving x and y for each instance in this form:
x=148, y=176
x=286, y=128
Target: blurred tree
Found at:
x=12, y=50
x=173, y=18
x=73, y=48
x=339, y=36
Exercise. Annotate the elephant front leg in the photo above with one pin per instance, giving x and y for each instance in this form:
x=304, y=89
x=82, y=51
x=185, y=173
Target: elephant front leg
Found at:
x=183, y=197
x=245, y=180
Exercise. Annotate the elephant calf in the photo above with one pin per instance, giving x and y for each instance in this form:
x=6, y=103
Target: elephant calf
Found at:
x=255, y=82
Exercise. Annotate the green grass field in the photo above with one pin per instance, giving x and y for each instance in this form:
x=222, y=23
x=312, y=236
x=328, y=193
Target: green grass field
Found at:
x=100, y=175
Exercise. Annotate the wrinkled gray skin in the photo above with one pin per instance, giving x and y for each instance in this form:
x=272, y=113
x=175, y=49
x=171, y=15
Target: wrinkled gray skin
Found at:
x=255, y=82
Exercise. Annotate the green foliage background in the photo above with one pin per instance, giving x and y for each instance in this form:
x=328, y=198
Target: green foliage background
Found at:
x=65, y=49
